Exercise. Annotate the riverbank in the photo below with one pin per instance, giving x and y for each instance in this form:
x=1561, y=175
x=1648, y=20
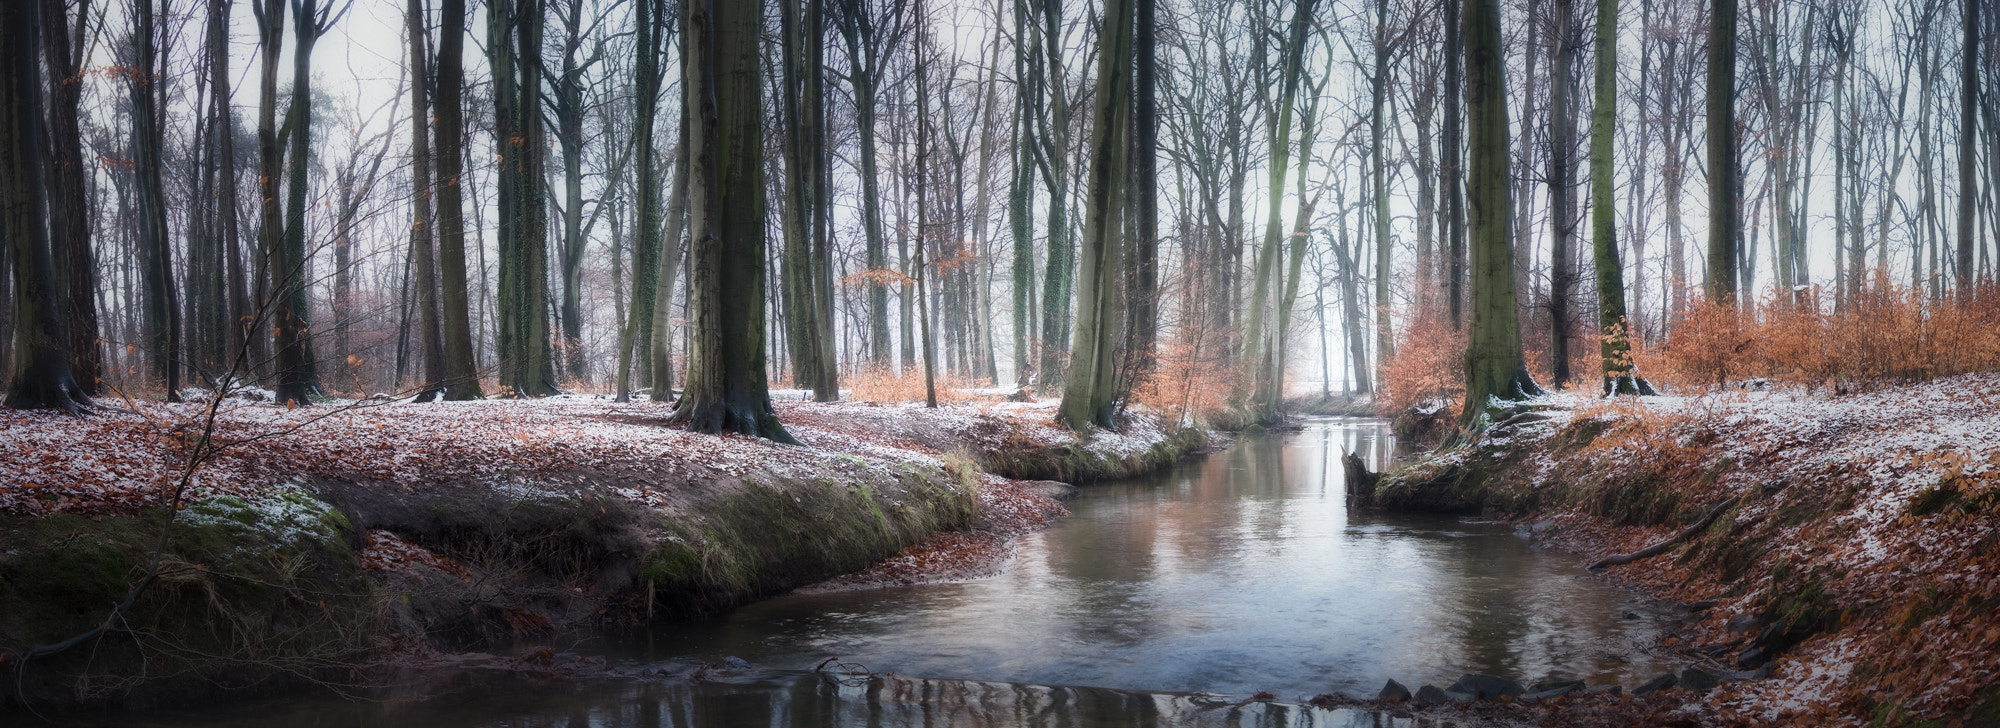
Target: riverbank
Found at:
x=1847, y=544
x=318, y=539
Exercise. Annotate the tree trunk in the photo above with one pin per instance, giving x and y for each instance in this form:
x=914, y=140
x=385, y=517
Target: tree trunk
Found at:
x=514, y=35
x=41, y=369
x=1493, y=365
x=162, y=311
x=1453, y=185
x=69, y=209
x=422, y=245
x=1562, y=187
x=1145, y=195
x=670, y=265
x=1378, y=80
x=1723, y=185
x=1090, y=390
x=1059, y=276
x=461, y=366
x=726, y=386
x=646, y=252
x=1615, y=349
x=1968, y=135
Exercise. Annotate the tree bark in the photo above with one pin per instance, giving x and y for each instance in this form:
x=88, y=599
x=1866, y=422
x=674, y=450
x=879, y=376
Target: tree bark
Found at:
x=1562, y=188
x=461, y=367
x=41, y=375
x=1968, y=136
x=1090, y=390
x=1614, y=329
x=1723, y=177
x=422, y=245
x=721, y=83
x=162, y=308
x=69, y=208
x=646, y=251
x=1493, y=364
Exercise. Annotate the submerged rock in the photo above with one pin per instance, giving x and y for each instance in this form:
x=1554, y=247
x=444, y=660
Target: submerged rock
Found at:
x=1697, y=680
x=1557, y=691
x=1394, y=691
x=1663, y=682
x=1486, y=687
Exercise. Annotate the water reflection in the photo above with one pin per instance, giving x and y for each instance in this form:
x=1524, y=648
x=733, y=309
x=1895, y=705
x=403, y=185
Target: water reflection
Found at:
x=1240, y=573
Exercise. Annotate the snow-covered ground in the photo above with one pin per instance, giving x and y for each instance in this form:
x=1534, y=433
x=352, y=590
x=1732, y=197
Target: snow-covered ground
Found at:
x=1887, y=499
x=117, y=461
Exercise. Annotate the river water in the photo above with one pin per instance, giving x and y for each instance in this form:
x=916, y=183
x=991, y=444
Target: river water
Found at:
x=1169, y=599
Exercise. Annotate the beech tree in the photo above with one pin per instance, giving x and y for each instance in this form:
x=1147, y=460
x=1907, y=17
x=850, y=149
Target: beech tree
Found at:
x=514, y=53
x=69, y=202
x=1090, y=390
x=1494, y=367
x=41, y=376
x=423, y=250
x=1723, y=187
x=461, y=370
x=721, y=86
x=1615, y=347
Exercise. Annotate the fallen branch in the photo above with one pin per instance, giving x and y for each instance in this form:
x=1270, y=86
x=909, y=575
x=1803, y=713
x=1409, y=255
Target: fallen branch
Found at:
x=1662, y=547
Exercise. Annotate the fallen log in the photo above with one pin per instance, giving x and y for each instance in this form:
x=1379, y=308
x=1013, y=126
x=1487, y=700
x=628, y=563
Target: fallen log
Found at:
x=1662, y=547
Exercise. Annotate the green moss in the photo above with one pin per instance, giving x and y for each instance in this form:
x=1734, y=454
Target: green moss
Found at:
x=240, y=586
x=764, y=538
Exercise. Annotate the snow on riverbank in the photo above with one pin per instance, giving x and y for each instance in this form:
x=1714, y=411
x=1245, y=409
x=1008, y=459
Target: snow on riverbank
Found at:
x=1870, y=522
x=118, y=461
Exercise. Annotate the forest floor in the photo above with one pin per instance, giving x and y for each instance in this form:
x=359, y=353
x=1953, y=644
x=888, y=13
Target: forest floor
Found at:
x=366, y=526
x=1856, y=552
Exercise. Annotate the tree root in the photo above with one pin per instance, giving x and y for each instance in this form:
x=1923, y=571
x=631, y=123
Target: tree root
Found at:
x=1662, y=547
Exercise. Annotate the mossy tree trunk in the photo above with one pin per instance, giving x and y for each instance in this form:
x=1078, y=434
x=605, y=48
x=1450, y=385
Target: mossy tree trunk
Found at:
x=650, y=37
x=807, y=302
x=1090, y=390
x=670, y=267
x=1615, y=347
x=1059, y=272
x=514, y=52
x=721, y=82
x=1494, y=368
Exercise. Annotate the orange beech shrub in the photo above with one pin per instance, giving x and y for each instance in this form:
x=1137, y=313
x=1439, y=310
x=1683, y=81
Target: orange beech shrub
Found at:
x=1192, y=373
x=880, y=384
x=1887, y=333
x=1429, y=364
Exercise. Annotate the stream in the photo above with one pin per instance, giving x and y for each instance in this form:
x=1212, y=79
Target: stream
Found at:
x=1170, y=599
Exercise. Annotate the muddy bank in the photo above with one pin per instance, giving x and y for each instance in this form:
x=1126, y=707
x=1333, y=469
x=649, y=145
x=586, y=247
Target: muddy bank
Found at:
x=1841, y=544
x=340, y=536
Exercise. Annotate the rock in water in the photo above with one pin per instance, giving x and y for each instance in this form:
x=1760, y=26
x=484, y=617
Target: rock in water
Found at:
x=1394, y=691
x=1431, y=695
x=1486, y=687
x=1663, y=682
x=1699, y=681
x=1547, y=685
